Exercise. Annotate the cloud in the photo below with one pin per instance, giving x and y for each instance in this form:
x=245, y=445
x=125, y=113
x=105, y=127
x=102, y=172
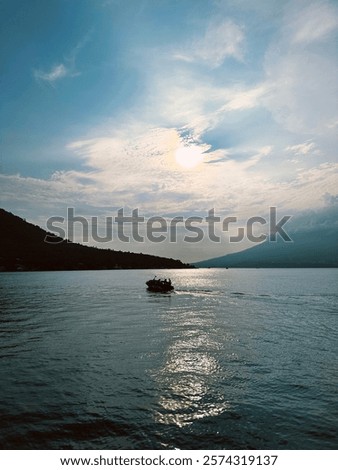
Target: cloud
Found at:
x=323, y=176
x=68, y=67
x=245, y=99
x=122, y=169
x=56, y=73
x=331, y=199
x=312, y=21
x=222, y=39
x=191, y=102
x=297, y=85
x=301, y=149
x=315, y=220
x=333, y=124
x=302, y=91
x=301, y=69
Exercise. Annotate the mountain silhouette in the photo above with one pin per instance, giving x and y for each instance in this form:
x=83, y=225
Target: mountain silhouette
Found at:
x=312, y=248
x=23, y=248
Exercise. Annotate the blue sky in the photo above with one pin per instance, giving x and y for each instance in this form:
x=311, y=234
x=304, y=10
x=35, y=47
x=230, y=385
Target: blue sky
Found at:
x=172, y=107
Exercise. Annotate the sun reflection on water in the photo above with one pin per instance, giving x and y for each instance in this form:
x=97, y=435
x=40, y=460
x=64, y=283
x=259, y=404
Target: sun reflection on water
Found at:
x=188, y=381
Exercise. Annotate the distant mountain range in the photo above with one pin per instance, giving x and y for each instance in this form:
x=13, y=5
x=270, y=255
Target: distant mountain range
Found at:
x=23, y=248
x=312, y=248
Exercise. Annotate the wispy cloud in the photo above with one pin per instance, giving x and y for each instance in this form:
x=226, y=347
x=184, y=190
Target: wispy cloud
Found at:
x=56, y=73
x=66, y=68
x=312, y=21
x=191, y=102
x=221, y=39
x=303, y=77
x=245, y=99
x=301, y=149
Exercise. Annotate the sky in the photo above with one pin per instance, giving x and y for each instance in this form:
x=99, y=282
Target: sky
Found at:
x=171, y=107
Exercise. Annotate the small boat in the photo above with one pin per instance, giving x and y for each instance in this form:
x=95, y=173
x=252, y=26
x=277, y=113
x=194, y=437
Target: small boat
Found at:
x=160, y=285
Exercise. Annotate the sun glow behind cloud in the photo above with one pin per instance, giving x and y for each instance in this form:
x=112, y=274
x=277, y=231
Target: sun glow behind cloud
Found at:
x=189, y=156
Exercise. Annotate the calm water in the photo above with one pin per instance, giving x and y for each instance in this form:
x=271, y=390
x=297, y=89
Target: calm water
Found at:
x=234, y=359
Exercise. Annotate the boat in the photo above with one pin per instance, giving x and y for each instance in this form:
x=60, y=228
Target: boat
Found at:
x=160, y=285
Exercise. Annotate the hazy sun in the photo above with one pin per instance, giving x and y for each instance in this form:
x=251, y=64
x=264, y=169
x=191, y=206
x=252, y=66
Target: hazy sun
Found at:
x=189, y=156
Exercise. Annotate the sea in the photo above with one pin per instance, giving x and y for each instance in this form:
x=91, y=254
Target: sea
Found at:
x=232, y=359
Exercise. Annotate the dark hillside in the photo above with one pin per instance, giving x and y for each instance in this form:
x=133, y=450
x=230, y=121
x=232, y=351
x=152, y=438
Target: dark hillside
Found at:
x=23, y=248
